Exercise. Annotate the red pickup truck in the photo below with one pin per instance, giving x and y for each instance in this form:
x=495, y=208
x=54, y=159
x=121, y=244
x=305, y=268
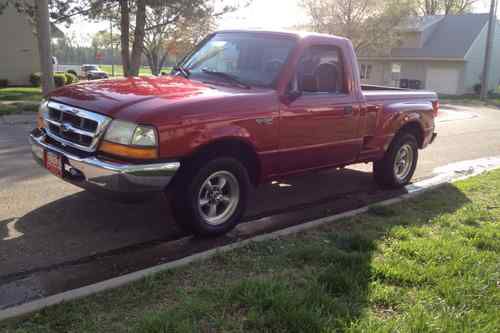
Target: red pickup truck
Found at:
x=243, y=108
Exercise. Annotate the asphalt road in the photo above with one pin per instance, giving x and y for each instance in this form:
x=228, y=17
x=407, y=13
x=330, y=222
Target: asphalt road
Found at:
x=45, y=222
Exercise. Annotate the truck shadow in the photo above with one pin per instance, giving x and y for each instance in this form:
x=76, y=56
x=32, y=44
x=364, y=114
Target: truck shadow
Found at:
x=77, y=226
x=81, y=225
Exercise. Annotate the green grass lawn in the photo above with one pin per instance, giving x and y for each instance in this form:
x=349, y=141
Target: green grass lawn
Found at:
x=21, y=93
x=431, y=264
x=21, y=98
x=6, y=109
x=119, y=70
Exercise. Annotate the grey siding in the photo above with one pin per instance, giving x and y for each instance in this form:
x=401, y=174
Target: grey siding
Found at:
x=495, y=62
x=411, y=70
x=19, y=51
x=475, y=61
x=459, y=66
x=377, y=74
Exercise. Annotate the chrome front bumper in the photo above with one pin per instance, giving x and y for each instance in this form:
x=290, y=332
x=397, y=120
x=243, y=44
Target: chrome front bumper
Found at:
x=117, y=179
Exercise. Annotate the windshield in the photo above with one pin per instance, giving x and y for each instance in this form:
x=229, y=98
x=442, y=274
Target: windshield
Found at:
x=250, y=58
x=90, y=68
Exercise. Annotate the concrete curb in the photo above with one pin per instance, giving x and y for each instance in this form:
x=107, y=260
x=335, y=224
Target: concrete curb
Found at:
x=461, y=171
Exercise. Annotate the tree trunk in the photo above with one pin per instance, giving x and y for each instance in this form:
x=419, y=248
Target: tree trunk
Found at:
x=154, y=61
x=155, y=69
x=140, y=23
x=162, y=62
x=43, y=37
x=124, y=38
x=150, y=60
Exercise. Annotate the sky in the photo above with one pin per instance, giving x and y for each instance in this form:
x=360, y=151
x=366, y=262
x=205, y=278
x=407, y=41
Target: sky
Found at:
x=270, y=14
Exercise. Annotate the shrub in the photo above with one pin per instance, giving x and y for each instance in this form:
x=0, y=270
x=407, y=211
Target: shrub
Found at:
x=71, y=78
x=4, y=83
x=59, y=79
x=35, y=79
x=477, y=88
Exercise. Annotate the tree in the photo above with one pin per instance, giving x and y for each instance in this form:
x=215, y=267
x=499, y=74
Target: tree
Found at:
x=125, y=35
x=446, y=7
x=159, y=22
x=100, y=40
x=137, y=47
x=38, y=12
x=131, y=61
x=43, y=32
x=430, y=7
x=133, y=32
x=170, y=27
x=370, y=24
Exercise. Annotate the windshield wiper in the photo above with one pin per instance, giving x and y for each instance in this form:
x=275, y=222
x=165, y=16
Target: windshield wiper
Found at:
x=227, y=76
x=184, y=71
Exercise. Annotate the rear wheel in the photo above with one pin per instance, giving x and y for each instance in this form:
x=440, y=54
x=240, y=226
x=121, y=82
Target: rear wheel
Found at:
x=210, y=197
x=399, y=163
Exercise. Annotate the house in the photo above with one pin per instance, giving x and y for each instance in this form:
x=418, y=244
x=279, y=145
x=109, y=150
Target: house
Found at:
x=440, y=53
x=19, y=50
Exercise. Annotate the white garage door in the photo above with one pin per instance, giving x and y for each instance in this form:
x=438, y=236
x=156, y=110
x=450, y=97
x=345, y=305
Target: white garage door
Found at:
x=442, y=80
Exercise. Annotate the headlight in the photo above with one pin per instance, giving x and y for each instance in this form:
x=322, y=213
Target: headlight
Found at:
x=130, y=134
x=43, y=111
x=144, y=136
x=130, y=140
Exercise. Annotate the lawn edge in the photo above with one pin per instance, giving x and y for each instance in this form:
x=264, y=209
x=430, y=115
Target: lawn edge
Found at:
x=414, y=190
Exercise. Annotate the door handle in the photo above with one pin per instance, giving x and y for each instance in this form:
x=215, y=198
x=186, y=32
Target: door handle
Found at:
x=348, y=110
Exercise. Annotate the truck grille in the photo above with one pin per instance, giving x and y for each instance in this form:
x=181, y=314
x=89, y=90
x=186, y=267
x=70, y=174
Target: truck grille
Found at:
x=75, y=127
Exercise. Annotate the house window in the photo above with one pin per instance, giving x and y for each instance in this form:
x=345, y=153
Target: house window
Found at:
x=366, y=71
x=396, y=68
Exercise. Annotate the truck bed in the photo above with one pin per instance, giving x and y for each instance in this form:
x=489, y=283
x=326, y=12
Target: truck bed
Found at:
x=377, y=93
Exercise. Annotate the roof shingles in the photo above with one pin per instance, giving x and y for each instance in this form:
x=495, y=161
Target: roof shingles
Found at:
x=451, y=39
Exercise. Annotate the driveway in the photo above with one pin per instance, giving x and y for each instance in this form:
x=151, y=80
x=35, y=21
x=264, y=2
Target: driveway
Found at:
x=46, y=223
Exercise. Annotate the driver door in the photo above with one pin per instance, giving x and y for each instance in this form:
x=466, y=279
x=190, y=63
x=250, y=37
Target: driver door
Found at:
x=320, y=127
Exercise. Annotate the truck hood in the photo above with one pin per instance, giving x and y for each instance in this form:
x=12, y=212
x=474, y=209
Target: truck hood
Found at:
x=110, y=97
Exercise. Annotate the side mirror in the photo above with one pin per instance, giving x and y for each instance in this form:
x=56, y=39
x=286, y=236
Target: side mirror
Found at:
x=293, y=95
x=293, y=92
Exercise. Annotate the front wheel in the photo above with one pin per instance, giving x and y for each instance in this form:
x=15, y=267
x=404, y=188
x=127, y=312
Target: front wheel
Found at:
x=210, y=198
x=399, y=163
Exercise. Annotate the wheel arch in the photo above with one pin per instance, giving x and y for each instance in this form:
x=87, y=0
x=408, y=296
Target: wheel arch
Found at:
x=413, y=127
x=236, y=147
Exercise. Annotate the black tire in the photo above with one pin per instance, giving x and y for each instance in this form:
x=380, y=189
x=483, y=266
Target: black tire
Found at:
x=384, y=170
x=187, y=191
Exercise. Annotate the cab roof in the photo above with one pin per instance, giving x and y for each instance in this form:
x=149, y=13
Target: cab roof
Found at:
x=283, y=33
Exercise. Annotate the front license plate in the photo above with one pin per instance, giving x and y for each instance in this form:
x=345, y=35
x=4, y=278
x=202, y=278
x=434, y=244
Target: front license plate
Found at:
x=53, y=163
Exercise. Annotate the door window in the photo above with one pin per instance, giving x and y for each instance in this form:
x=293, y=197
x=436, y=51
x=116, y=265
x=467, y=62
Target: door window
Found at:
x=320, y=70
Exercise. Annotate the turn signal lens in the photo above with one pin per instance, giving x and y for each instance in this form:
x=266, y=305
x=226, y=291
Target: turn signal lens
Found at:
x=43, y=111
x=39, y=121
x=139, y=153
